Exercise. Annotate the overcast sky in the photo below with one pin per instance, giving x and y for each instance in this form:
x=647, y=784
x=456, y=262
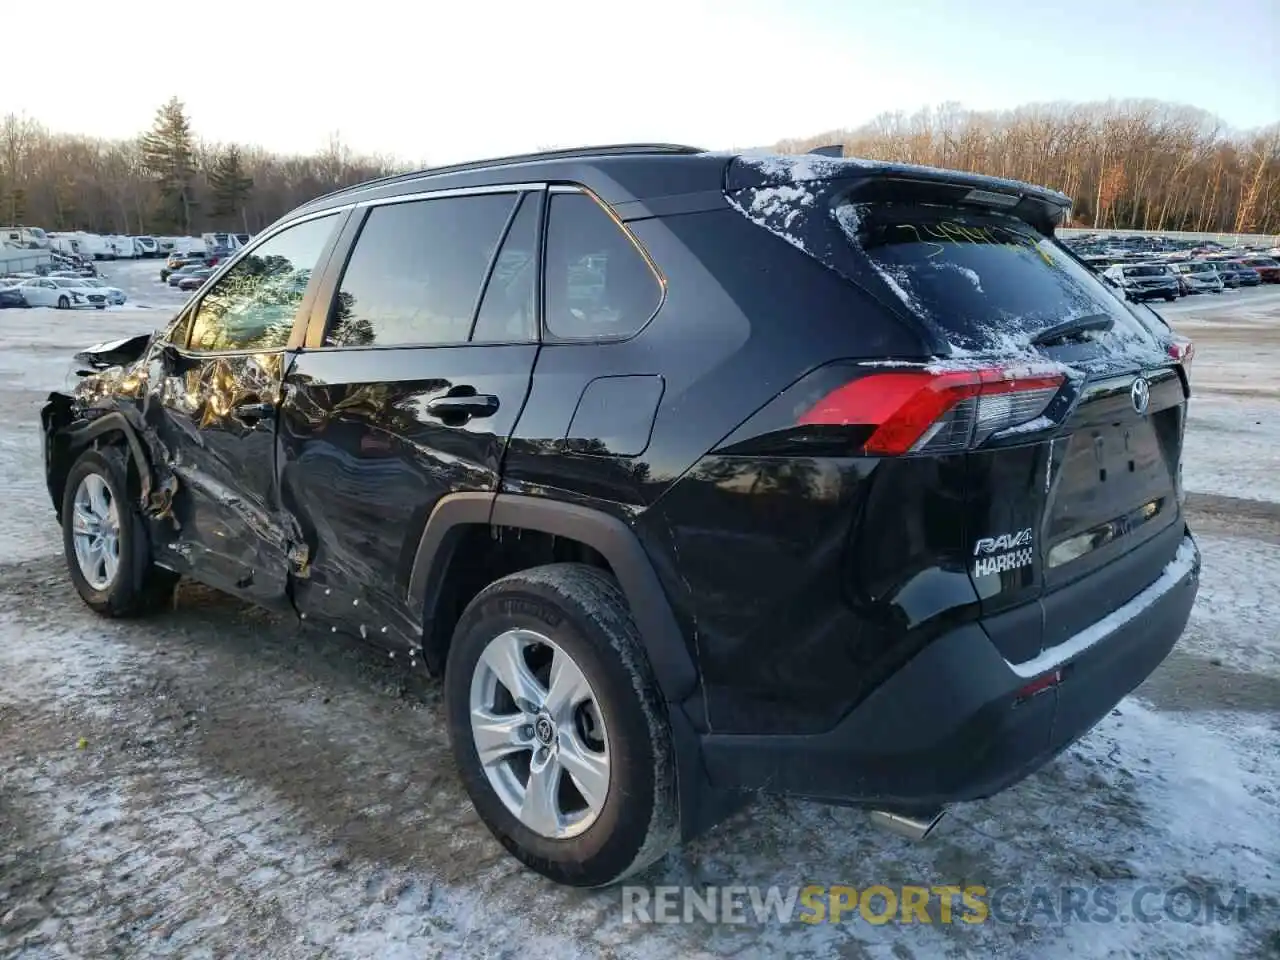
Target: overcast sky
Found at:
x=440, y=81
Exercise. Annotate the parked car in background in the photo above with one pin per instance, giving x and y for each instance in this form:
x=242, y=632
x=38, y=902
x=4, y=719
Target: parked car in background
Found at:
x=1200, y=276
x=65, y=293
x=115, y=296
x=146, y=247
x=177, y=262
x=1230, y=274
x=1236, y=274
x=1267, y=268
x=187, y=270
x=1144, y=281
x=195, y=279
x=11, y=294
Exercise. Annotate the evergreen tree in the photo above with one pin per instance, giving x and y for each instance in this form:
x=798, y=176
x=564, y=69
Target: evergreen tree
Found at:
x=169, y=157
x=231, y=186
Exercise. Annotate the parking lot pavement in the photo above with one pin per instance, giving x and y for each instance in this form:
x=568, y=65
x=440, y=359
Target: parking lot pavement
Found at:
x=216, y=781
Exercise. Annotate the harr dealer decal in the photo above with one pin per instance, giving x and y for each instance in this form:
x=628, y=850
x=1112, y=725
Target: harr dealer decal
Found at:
x=1009, y=551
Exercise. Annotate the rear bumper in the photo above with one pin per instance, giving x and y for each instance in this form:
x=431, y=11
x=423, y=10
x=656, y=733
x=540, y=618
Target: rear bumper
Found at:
x=952, y=724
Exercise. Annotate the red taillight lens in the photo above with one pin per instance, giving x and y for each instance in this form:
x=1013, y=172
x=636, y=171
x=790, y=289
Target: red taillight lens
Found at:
x=921, y=411
x=1182, y=350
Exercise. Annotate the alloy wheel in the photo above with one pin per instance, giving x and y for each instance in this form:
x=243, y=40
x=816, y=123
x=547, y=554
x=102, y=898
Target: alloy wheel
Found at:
x=95, y=531
x=539, y=734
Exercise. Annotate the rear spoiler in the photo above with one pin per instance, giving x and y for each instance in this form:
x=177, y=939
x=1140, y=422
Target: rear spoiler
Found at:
x=872, y=180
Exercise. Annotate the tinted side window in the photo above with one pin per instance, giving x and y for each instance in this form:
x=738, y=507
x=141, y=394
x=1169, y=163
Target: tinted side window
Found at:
x=415, y=274
x=508, y=312
x=253, y=305
x=598, y=283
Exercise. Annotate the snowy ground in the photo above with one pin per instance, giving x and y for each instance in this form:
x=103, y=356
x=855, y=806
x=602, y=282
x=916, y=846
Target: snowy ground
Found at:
x=215, y=782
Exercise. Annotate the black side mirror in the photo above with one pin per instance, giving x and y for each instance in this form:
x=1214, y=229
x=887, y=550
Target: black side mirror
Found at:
x=174, y=361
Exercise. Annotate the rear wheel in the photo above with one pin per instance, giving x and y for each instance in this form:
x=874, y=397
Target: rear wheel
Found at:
x=105, y=539
x=559, y=732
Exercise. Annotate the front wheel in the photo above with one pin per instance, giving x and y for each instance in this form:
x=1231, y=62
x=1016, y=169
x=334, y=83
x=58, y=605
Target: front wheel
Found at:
x=558, y=729
x=1171, y=297
x=64, y=303
x=105, y=539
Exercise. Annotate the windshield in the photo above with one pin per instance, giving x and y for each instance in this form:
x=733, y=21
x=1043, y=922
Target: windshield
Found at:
x=990, y=281
x=1145, y=270
x=36, y=232
x=68, y=282
x=1262, y=262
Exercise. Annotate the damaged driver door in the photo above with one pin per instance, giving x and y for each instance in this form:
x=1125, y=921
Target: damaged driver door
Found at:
x=222, y=369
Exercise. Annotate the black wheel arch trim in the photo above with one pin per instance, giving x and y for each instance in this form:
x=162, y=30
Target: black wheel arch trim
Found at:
x=668, y=653
x=78, y=438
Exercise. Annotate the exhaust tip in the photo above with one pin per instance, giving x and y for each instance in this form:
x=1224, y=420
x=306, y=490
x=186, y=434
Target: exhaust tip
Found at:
x=912, y=826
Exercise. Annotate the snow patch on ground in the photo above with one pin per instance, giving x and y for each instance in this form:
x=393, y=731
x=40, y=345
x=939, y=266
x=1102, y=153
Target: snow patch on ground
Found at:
x=244, y=789
x=1232, y=444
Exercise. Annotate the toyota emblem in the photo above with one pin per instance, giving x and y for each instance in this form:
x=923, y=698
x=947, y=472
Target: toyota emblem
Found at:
x=1140, y=394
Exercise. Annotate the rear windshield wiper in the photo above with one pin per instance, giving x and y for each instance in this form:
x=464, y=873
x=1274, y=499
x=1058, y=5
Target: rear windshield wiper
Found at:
x=1073, y=328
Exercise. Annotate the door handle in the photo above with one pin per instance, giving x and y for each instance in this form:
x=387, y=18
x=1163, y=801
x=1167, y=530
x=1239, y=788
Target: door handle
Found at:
x=463, y=407
x=250, y=412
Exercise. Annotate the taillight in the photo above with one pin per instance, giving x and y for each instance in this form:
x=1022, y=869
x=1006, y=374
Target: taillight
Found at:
x=1182, y=350
x=920, y=411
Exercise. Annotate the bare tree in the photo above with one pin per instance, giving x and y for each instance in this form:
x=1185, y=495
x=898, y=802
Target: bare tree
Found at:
x=1139, y=163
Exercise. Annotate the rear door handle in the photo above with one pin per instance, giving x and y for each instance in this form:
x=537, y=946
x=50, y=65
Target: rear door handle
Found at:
x=250, y=412
x=452, y=408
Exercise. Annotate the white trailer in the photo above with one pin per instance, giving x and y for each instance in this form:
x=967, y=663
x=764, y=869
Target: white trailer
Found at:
x=121, y=247
x=33, y=238
x=23, y=259
x=92, y=245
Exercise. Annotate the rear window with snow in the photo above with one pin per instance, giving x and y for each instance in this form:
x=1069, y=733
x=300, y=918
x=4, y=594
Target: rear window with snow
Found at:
x=989, y=281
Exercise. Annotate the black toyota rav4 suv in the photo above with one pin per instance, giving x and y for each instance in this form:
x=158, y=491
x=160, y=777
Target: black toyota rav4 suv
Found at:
x=691, y=473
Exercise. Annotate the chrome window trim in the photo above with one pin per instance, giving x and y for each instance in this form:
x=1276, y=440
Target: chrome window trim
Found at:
x=451, y=192
x=518, y=188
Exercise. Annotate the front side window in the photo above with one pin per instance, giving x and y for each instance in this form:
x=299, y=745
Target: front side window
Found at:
x=252, y=306
x=415, y=275
x=599, y=284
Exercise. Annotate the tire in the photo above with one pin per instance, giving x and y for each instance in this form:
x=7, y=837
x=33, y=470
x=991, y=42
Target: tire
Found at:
x=137, y=586
x=64, y=303
x=1172, y=297
x=584, y=615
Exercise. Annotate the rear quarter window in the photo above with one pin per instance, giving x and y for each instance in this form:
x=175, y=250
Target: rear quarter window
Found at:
x=598, y=283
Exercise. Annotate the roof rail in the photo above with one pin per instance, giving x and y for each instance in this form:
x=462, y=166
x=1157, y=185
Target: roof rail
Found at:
x=605, y=150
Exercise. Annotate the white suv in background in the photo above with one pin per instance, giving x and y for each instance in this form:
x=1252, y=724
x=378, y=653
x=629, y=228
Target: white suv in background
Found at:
x=1200, y=276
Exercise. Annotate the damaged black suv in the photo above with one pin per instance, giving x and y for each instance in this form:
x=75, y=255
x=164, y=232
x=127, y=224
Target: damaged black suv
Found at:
x=691, y=473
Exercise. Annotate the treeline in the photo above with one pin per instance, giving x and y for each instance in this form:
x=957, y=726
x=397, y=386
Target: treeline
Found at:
x=165, y=181
x=1142, y=165
x=1127, y=164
